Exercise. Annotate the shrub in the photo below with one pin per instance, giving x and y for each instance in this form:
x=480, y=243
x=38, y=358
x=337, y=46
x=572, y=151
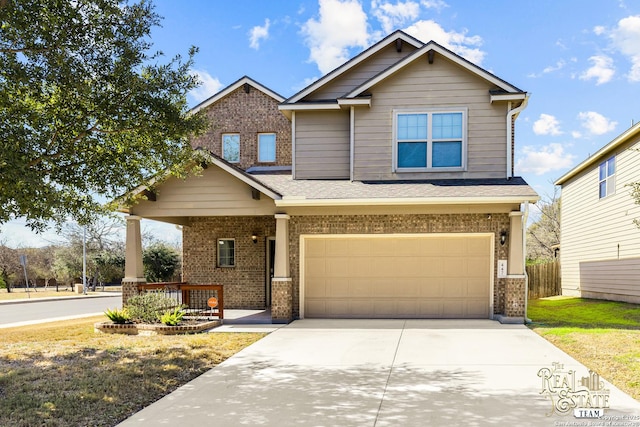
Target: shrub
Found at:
x=118, y=316
x=148, y=307
x=172, y=318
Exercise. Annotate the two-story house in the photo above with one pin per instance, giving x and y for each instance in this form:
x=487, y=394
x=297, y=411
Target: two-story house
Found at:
x=400, y=200
x=600, y=243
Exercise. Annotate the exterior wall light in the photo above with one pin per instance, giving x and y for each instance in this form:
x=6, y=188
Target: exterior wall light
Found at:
x=254, y=238
x=503, y=238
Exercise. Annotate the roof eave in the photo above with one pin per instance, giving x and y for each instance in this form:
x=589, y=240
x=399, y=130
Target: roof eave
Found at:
x=621, y=139
x=234, y=86
x=291, y=201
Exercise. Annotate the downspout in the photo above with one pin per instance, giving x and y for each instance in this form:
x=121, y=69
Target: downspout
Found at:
x=352, y=143
x=525, y=218
x=510, y=131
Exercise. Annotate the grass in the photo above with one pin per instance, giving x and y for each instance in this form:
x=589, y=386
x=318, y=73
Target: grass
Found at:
x=63, y=373
x=602, y=335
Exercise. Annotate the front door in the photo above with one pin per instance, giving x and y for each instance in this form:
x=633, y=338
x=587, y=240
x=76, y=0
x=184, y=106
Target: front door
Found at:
x=270, y=263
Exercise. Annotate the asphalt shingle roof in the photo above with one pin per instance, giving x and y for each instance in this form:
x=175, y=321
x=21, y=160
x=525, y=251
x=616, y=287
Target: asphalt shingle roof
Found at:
x=345, y=189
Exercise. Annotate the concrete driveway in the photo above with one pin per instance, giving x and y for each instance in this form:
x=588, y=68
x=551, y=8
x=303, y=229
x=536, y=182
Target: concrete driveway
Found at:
x=390, y=373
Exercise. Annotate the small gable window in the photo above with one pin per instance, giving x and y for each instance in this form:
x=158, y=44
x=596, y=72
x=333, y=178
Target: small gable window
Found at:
x=267, y=147
x=429, y=140
x=226, y=253
x=231, y=147
x=607, y=177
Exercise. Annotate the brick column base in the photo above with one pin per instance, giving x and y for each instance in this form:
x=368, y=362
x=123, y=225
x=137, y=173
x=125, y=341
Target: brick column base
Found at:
x=129, y=289
x=515, y=303
x=281, y=300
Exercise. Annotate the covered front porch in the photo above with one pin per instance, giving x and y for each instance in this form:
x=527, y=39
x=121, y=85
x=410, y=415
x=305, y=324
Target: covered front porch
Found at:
x=247, y=256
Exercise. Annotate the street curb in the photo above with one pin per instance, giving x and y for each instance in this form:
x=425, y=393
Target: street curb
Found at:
x=27, y=301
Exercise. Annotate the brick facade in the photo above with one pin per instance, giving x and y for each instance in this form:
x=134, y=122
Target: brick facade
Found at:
x=247, y=114
x=244, y=284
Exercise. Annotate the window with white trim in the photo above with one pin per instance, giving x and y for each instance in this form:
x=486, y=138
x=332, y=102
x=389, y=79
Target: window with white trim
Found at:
x=607, y=177
x=226, y=253
x=231, y=147
x=430, y=140
x=267, y=147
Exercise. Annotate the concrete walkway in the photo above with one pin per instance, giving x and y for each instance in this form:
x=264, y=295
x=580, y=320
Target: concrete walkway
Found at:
x=384, y=373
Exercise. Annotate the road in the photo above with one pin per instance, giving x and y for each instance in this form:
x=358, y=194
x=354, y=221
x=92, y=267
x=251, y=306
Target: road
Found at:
x=37, y=311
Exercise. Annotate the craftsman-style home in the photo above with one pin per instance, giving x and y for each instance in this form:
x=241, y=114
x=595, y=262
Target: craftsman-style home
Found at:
x=385, y=189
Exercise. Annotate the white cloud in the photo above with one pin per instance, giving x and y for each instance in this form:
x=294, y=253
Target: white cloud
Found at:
x=545, y=159
x=434, y=4
x=576, y=134
x=558, y=66
x=393, y=16
x=342, y=25
x=210, y=86
x=596, y=123
x=626, y=38
x=598, y=30
x=460, y=43
x=547, y=125
x=258, y=33
x=602, y=69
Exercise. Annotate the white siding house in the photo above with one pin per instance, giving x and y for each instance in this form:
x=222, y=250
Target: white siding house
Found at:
x=600, y=243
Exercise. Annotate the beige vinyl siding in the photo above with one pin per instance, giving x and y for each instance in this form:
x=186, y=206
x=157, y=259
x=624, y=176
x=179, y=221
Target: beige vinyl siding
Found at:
x=430, y=86
x=214, y=193
x=322, y=145
x=596, y=233
x=361, y=73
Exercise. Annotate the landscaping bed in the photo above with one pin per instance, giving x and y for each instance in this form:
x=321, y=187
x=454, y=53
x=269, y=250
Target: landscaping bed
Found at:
x=186, y=326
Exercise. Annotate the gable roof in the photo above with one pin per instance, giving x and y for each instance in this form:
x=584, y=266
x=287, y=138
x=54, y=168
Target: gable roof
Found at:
x=391, y=38
x=232, y=87
x=608, y=149
x=435, y=47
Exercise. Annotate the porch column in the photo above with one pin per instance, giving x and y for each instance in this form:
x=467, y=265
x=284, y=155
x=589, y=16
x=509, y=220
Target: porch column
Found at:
x=133, y=269
x=281, y=286
x=515, y=265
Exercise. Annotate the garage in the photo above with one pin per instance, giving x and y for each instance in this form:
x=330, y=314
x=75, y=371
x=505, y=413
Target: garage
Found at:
x=397, y=276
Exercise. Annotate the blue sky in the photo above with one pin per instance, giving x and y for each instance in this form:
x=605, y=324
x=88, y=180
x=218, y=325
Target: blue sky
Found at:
x=579, y=60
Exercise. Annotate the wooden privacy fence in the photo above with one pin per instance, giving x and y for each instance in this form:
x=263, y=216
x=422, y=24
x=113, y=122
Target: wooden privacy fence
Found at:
x=544, y=280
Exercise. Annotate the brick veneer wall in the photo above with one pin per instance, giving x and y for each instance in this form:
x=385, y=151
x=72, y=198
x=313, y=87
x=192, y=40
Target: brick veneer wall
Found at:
x=387, y=224
x=247, y=114
x=244, y=284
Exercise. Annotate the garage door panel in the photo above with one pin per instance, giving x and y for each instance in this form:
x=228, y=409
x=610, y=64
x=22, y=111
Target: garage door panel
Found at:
x=395, y=276
x=337, y=267
x=315, y=248
x=337, y=287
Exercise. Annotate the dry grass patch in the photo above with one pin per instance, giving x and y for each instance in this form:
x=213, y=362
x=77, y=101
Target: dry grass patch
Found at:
x=63, y=374
x=602, y=335
x=23, y=294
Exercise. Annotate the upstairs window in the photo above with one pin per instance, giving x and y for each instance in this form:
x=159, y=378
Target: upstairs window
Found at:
x=267, y=147
x=430, y=140
x=231, y=147
x=607, y=177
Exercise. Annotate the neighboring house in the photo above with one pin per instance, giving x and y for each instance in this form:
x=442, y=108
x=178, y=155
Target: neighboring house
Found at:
x=400, y=202
x=600, y=256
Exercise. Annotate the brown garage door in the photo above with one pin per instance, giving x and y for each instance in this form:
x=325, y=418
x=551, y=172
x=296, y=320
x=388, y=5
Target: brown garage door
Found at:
x=397, y=276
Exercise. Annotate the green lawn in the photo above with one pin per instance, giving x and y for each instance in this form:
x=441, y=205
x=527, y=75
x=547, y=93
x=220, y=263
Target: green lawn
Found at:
x=603, y=335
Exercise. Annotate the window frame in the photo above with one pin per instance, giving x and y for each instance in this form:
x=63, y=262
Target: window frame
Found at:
x=609, y=179
x=218, y=258
x=222, y=151
x=275, y=145
x=429, y=161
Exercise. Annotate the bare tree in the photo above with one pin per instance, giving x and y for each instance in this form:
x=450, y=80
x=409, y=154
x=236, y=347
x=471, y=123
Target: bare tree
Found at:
x=543, y=235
